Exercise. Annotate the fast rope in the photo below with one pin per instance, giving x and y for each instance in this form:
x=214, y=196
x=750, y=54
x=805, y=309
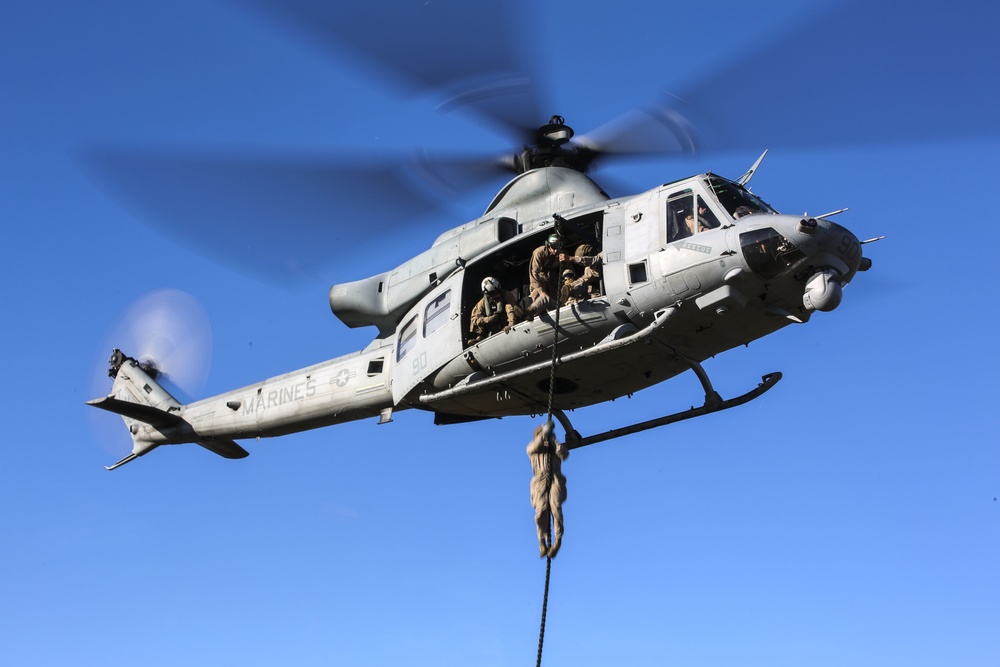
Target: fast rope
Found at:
x=545, y=604
x=548, y=559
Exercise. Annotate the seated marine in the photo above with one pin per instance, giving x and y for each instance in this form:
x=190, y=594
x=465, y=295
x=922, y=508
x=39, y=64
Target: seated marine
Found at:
x=497, y=311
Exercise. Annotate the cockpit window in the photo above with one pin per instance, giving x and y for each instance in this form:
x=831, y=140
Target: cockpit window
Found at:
x=735, y=198
x=687, y=215
x=768, y=253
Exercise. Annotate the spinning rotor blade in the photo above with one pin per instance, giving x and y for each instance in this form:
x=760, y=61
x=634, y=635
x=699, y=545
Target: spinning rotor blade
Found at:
x=284, y=216
x=653, y=131
x=169, y=329
x=641, y=133
x=455, y=174
x=466, y=52
x=281, y=217
x=937, y=83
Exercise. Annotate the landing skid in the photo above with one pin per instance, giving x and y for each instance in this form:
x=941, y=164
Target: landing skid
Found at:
x=713, y=403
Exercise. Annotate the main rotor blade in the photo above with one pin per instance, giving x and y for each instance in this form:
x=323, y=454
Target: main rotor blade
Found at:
x=834, y=82
x=454, y=175
x=444, y=46
x=280, y=217
x=639, y=132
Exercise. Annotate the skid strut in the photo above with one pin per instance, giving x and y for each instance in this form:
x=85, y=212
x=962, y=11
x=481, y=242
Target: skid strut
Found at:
x=713, y=403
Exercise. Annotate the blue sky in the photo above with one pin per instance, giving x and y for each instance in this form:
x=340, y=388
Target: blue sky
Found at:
x=848, y=517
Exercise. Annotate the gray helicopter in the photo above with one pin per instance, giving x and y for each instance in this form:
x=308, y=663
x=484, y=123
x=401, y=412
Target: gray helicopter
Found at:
x=688, y=270
x=678, y=274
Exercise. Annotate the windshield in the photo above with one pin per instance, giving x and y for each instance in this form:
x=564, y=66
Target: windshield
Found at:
x=737, y=199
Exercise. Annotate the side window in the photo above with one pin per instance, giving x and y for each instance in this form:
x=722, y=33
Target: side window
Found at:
x=679, y=206
x=407, y=339
x=637, y=273
x=687, y=215
x=436, y=315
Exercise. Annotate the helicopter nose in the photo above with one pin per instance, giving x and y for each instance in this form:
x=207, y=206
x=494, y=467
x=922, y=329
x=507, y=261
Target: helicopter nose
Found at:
x=824, y=291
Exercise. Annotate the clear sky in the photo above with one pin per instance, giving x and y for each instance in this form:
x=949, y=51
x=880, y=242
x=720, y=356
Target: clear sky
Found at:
x=849, y=517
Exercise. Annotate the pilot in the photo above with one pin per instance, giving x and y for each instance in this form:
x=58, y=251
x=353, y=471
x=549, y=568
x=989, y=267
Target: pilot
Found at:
x=497, y=311
x=548, y=487
x=742, y=211
x=543, y=275
x=690, y=226
x=695, y=223
x=704, y=220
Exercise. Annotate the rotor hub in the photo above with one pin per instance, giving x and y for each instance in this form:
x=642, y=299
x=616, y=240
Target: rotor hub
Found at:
x=555, y=133
x=552, y=148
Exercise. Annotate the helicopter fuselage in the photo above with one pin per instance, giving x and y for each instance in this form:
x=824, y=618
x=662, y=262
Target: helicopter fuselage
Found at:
x=688, y=270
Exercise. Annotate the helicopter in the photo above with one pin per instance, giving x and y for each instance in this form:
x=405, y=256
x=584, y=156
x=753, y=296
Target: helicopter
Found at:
x=688, y=269
x=669, y=298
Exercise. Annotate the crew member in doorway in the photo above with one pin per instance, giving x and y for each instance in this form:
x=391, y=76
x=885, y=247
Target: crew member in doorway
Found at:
x=497, y=311
x=587, y=285
x=543, y=275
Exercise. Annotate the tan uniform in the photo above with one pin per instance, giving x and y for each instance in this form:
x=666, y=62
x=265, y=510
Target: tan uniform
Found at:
x=491, y=316
x=548, y=487
x=542, y=271
x=574, y=290
x=586, y=286
x=543, y=277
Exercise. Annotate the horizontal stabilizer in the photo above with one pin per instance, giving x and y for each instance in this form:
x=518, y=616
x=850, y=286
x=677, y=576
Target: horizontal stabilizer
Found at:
x=143, y=413
x=137, y=397
x=225, y=448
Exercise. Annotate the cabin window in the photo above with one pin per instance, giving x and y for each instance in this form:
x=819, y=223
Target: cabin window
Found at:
x=637, y=273
x=407, y=339
x=375, y=367
x=436, y=314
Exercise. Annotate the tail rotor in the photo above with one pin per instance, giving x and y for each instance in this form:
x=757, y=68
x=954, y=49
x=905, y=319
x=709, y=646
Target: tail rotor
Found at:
x=168, y=332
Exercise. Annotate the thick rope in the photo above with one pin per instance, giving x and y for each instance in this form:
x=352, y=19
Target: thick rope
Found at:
x=548, y=559
x=555, y=359
x=545, y=604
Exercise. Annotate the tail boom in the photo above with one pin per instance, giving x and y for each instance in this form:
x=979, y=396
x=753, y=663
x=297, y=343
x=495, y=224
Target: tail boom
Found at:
x=354, y=386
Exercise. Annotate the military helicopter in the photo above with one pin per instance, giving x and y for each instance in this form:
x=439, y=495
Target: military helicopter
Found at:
x=688, y=269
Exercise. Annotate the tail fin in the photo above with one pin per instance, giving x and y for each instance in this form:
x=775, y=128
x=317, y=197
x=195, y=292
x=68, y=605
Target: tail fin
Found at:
x=151, y=414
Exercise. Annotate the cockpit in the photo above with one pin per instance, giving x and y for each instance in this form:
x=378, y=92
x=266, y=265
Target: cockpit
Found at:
x=736, y=199
x=708, y=202
x=687, y=215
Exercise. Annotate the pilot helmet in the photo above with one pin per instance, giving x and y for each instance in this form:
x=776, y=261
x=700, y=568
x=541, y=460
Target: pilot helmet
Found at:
x=490, y=285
